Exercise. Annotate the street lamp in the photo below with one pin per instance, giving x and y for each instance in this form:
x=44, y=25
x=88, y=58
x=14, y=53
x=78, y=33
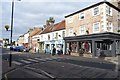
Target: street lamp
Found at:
x=10, y=57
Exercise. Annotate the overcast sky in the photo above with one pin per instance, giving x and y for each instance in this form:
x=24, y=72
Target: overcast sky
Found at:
x=36, y=12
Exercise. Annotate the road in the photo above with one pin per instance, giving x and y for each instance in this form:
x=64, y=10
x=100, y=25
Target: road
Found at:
x=57, y=67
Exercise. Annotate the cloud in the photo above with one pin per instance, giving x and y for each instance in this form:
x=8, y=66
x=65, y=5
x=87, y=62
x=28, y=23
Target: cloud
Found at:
x=55, y=0
x=28, y=14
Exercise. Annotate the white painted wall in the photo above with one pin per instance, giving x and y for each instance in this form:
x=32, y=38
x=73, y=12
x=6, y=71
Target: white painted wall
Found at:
x=26, y=38
x=44, y=38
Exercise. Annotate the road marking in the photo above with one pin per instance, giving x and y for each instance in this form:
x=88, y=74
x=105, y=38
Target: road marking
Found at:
x=34, y=73
x=25, y=61
x=33, y=60
x=44, y=72
x=48, y=59
x=15, y=62
x=40, y=59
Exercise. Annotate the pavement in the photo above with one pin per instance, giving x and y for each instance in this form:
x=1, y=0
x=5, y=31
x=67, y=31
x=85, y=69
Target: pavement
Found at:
x=6, y=68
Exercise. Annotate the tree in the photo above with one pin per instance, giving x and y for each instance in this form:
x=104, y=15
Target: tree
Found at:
x=51, y=20
x=7, y=27
x=47, y=22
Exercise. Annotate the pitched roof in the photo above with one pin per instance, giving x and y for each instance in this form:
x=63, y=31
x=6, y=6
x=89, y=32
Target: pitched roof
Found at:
x=97, y=4
x=55, y=27
x=34, y=32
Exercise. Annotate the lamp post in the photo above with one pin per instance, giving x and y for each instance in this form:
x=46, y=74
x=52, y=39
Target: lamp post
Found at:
x=10, y=57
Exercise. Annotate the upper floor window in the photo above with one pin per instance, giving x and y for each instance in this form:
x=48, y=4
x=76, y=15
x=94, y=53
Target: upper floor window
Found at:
x=52, y=35
x=70, y=19
x=96, y=27
x=70, y=31
x=48, y=37
x=82, y=29
x=63, y=33
x=109, y=10
x=118, y=15
x=56, y=36
x=42, y=37
x=81, y=16
x=96, y=11
x=109, y=26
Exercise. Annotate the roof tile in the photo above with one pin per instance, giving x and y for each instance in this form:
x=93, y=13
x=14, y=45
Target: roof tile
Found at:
x=55, y=27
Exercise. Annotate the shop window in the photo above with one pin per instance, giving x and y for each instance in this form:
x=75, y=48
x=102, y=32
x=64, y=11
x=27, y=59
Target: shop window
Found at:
x=98, y=45
x=106, y=46
x=47, y=45
x=73, y=46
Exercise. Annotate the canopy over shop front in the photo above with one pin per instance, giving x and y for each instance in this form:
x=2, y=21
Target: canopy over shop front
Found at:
x=108, y=43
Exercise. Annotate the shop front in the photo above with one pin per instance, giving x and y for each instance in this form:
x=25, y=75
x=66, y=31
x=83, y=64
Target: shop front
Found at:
x=47, y=47
x=41, y=47
x=59, y=45
x=93, y=45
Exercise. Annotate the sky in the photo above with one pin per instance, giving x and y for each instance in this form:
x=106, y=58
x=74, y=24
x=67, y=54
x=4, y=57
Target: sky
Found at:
x=34, y=13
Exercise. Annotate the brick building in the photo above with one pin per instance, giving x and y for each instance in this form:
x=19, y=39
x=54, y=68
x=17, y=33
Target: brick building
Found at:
x=92, y=29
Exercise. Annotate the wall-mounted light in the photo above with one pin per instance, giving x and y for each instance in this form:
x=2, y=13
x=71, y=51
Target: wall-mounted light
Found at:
x=74, y=33
x=59, y=35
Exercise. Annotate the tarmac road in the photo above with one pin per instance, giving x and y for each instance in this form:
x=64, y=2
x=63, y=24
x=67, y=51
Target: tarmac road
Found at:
x=37, y=66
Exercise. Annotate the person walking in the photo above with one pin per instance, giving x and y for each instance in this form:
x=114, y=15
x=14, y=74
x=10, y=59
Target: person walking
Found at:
x=68, y=51
x=53, y=51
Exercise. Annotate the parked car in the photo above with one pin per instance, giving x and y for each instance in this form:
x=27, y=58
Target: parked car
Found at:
x=19, y=48
x=26, y=49
x=12, y=48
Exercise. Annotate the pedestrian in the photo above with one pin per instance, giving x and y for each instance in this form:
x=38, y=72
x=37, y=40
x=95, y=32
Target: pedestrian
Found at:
x=53, y=51
x=68, y=51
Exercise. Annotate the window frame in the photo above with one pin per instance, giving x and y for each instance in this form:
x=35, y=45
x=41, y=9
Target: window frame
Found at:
x=81, y=15
x=108, y=10
x=110, y=25
x=56, y=35
x=84, y=29
x=98, y=11
x=70, y=31
x=70, y=19
x=63, y=33
x=95, y=31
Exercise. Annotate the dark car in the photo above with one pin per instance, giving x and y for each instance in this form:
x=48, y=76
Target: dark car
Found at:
x=19, y=48
x=26, y=49
x=12, y=48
